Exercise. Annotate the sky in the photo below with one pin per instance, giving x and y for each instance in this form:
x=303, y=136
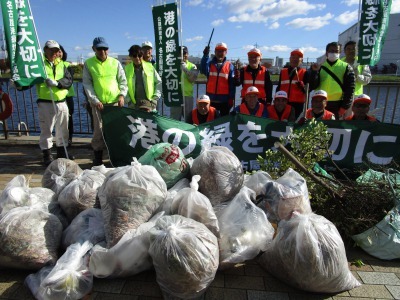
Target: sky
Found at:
x=275, y=26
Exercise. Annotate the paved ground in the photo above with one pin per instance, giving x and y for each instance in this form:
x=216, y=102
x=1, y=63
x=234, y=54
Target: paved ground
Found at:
x=21, y=155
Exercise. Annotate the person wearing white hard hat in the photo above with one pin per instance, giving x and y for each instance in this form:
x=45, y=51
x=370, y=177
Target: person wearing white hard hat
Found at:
x=360, y=108
x=336, y=77
x=318, y=111
x=254, y=74
x=281, y=110
x=251, y=105
x=147, y=48
x=293, y=80
x=203, y=112
x=220, y=78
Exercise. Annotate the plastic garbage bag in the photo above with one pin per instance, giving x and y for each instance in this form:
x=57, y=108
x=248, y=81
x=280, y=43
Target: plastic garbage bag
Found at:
x=168, y=160
x=59, y=173
x=68, y=279
x=29, y=238
x=185, y=256
x=308, y=253
x=129, y=196
x=190, y=203
x=87, y=226
x=128, y=257
x=244, y=230
x=80, y=193
x=166, y=205
x=221, y=174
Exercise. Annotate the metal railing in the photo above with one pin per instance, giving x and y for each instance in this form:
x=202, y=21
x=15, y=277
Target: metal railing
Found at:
x=24, y=120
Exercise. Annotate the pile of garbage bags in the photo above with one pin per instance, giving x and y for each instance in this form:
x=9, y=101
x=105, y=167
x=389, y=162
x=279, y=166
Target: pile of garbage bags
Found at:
x=184, y=218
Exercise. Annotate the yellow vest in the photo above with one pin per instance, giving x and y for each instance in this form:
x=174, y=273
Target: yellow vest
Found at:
x=358, y=90
x=104, y=76
x=187, y=85
x=43, y=90
x=148, y=79
x=328, y=84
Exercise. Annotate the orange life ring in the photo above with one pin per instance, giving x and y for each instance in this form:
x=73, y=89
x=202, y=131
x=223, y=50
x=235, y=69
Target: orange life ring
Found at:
x=8, y=107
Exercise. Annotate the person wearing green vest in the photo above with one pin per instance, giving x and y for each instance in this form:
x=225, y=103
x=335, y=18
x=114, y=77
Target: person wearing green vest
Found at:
x=144, y=83
x=71, y=93
x=336, y=77
x=189, y=76
x=53, y=89
x=105, y=83
x=362, y=72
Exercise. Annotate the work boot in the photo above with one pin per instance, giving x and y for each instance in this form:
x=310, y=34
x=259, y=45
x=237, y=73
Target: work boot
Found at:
x=61, y=153
x=47, y=157
x=98, y=158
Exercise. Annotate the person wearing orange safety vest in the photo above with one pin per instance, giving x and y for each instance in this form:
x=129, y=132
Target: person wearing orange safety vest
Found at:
x=254, y=74
x=203, y=113
x=293, y=81
x=360, y=109
x=220, y=78
x=281, y=110
x=251, y=105
x=317, y=111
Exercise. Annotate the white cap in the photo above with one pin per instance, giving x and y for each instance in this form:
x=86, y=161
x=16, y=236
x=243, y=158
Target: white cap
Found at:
x=147, y=44
x=252, y=90
x=255, y=51
x=320, y=93
x=221, y=46
x=203, y=99
x=51, y=44
x=280, y=94
x=363, y=98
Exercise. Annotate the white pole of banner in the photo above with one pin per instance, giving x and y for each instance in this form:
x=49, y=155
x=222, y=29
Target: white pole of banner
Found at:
x=181, y=44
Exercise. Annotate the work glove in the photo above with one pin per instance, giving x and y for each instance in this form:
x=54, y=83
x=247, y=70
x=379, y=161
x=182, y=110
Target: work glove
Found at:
x=51, y=82
x=206, y=50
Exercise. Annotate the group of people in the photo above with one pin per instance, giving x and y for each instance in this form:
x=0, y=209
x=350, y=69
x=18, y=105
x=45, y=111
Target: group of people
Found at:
x=138, y=85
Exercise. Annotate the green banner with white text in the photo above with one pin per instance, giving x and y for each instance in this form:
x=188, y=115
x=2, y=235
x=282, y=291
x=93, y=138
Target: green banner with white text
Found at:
x=374, y=23
x=23, y=47
x=165, y=20
x=130, y=133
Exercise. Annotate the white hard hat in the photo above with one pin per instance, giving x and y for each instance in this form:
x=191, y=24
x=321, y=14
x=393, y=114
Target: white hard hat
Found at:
x=320, y=93
x=51, y=44
x=281, y=94
x=204, y=99
x=147, y=44
x=255, y=51
x=221, y=46
x=252, y=90
x=363, y=98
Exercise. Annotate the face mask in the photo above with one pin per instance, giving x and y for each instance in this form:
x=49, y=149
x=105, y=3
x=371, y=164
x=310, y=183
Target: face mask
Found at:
x=333, y=56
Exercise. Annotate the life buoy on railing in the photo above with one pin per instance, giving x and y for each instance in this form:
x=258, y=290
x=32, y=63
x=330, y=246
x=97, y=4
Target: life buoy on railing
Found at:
x=7, y=106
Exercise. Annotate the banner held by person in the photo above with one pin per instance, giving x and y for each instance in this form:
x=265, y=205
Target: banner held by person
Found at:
x=23, y=48
x=372, y=29
x=165, y=19
x=353, y=142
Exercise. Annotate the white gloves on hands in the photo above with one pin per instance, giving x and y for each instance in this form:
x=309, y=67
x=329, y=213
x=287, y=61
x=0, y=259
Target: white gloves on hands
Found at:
x=51, y=82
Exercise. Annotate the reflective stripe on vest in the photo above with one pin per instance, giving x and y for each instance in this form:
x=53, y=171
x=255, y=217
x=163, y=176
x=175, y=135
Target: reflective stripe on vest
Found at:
x=295, y=94
x=272, y=114
x=326, y=116
x=218, y=81
x=104, y=76
x=259, y=82
x=148, y=79
x=244, y=110
x=210, y=116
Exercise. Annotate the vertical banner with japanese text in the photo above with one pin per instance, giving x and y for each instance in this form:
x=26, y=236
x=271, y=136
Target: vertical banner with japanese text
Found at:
x=165, y=20
x=22, y=44
x=374, y=23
